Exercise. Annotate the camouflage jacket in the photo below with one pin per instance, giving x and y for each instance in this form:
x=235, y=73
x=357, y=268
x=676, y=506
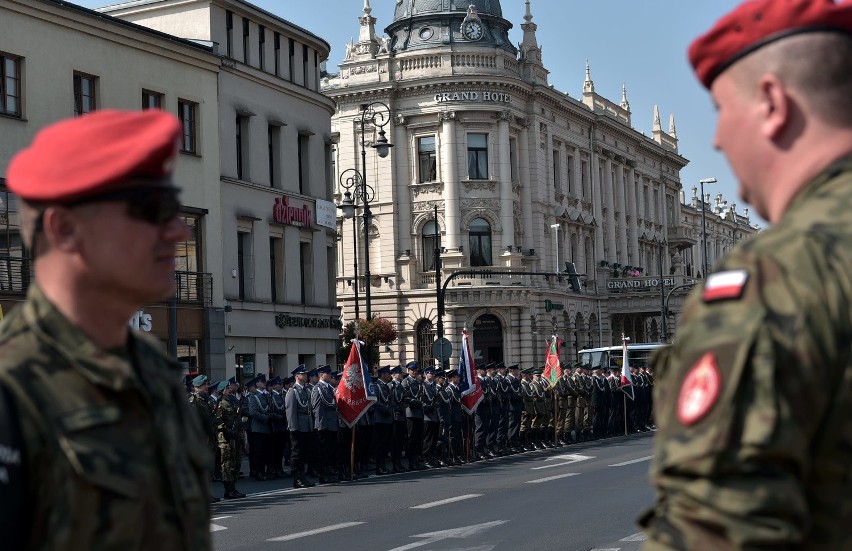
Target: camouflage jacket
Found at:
x=205, y=409
x=227, y=420
x=768, y=462
x=114, y=458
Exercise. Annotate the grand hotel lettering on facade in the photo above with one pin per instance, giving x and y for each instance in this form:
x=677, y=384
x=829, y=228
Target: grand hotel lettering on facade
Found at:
x=503, y=163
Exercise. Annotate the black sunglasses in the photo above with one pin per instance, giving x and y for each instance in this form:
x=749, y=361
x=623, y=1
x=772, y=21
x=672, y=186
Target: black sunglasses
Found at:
x=154, y=205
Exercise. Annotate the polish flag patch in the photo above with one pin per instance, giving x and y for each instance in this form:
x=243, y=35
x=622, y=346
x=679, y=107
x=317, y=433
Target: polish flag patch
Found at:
x=700, y=390
x=725, y=285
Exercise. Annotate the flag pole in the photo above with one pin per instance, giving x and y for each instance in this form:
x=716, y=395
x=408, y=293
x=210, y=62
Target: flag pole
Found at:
x=352, y=455
x=555, y=414
x=624, y=397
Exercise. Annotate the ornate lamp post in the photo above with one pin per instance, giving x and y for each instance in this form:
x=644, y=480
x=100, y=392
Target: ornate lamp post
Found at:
x=378, y=114
x=351, y=180
x=704, y=223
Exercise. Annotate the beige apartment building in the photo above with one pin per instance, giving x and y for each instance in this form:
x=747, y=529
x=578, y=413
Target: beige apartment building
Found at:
x=494, y=169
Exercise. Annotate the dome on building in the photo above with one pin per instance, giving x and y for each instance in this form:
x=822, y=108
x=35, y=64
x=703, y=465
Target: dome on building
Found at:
x=422, y=24
x=408, y=8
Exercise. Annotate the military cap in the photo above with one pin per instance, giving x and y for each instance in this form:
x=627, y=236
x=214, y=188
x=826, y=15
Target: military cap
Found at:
x=481, y=367
x=251, y=382
x=275, y=381
x=384, y=369
x=200, y=380
x=429, y=370
x=500, y=365
x=97, y=153
x=300, y=369
x=453, y=373
x=213, y=385
x=537, y=371
x=336, y=374
x=324, y=369
x=412, y=366
x=395, y=370
x=232, y=380
x=222, y=385
x=261, y=378
x=514, y=367
x=753, y=25
x=313, y=372
x=491, y=365
x=289, y=380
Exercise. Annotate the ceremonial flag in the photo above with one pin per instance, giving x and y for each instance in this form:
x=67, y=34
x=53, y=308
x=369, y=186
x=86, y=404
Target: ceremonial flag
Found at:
x=626, y=378
x=471, y=390
x=552, y=367
x=355, y=392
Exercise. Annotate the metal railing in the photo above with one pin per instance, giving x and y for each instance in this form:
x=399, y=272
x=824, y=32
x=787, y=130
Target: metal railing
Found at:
x=16, y=273
x=194, y=287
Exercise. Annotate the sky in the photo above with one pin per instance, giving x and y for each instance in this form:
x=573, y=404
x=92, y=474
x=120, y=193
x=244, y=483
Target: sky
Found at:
x=641, y=44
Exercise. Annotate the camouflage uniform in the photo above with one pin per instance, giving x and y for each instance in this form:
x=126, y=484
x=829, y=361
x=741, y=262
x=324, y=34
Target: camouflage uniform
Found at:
x=768, y=466
x=114, y=458
x=227, y=425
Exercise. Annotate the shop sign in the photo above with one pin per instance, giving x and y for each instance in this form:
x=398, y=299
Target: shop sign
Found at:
x=286, y=320
x=635, y=284
x=283, y=213
x=474, y=96
x=141, y=321
x=549, y=306
x=326, y=214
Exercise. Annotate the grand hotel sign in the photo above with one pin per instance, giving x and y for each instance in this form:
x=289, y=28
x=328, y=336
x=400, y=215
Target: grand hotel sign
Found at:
x=485, y=96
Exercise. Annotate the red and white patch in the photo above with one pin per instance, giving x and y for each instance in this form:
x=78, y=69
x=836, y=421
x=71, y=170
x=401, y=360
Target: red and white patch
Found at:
x=700, y=390
x=725, y=285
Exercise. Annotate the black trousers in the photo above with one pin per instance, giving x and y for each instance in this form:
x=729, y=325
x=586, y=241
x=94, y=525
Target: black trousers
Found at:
x=326, y=448
x=276, y=453
x=481, y=425
x=398, y=438
x=503, y=425
x=259, y=452
x=514, y=426
x=414, y=449
x=381, y=442
x=298, y=447
x=431, y=432
x=363, y=444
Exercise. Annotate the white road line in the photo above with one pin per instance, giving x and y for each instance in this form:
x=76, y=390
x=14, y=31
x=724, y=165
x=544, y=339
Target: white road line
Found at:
x=606, y=549
x=445, y=501
x=220, y=518
x=216, y=527
x=641, y=459
x=549, y=478
x=331, y=528
x=638, y=536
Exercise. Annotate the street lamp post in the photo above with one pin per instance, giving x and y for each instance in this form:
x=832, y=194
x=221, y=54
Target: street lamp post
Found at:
x=378, y=114
x=556, y=228
x=351, y=180
x=704, y=222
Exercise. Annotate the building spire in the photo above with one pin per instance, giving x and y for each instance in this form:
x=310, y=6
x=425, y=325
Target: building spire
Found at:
x=588, y=85
x=530, y=51
x=368, y=45
x=672, y=130
x=657, y=126
x=528, y=16
x=624, y=103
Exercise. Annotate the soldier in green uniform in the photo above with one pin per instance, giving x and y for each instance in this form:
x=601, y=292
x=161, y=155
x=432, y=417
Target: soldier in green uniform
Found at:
x=99, y=434
x=753, y=401
x=227, y=431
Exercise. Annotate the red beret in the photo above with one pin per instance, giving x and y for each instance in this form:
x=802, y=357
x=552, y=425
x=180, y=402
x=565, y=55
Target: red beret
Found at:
x=94, y=154
x=756, y=23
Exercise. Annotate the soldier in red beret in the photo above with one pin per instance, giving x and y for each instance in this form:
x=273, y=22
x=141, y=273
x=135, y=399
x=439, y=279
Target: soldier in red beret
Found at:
x=106, y=453
x=753, y=401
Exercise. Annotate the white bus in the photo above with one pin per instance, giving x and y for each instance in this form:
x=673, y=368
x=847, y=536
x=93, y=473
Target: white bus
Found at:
x=605, y=357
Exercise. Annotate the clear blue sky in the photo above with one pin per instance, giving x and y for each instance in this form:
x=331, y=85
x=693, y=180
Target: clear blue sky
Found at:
x=640, y=43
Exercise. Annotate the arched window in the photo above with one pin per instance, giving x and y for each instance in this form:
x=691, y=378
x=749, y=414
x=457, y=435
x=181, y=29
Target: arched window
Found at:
x=429, y=236
x=480, y=242
x=425, y=338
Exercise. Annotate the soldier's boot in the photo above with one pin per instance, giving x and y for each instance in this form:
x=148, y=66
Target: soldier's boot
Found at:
x=300, y=480
x=231, y=491
x=323, y=477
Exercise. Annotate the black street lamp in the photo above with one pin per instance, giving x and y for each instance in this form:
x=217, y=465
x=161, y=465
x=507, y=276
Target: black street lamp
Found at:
x=351, y=180
x=378, y=114
x=704, y=222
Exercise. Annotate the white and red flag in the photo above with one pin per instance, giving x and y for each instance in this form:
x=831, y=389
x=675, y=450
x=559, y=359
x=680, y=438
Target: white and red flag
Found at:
x=355, y=392
x=471, y=390
x=626, y=378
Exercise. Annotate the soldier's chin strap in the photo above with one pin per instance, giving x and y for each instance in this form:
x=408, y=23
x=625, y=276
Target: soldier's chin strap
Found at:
x=12, y=496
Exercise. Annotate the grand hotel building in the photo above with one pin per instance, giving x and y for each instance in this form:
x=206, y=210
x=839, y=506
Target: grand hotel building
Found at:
x=503, y=172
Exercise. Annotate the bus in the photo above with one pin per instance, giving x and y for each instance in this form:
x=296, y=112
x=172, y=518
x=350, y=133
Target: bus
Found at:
x=639, y=355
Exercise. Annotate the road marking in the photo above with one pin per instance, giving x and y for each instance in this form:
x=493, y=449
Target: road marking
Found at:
x=641, y=459
x=572, y=458
x=454, y=533
x=221, y=518
x=638, y=536
x=549, y=478
x=216, y=527
x=445, y=501
x=331, y=528
x=606, y=549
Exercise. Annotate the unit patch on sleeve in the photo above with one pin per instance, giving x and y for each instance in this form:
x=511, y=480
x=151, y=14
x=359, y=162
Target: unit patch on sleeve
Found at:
x=699, y=391
x=725, y=285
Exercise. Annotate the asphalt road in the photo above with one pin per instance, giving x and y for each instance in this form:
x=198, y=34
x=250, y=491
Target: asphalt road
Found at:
x=575, y=498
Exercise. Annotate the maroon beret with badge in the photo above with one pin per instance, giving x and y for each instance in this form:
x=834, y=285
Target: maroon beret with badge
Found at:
x=756, y=23
x=95, y=154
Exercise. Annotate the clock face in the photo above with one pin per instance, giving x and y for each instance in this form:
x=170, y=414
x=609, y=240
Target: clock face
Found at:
x=472, y=30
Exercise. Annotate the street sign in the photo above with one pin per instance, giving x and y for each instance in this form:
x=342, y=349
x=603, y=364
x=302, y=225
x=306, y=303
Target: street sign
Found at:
x=442, y=349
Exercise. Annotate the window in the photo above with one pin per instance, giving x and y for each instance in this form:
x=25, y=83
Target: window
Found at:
x=229, y=33
x=243, y=263
x=647, y=202
x=557, y=170
x=306, y=273
x=14, y=265
x=261, y=44
x=187, y=113
x=430, y=241
x=426, y=159
x=425, y=338
x=245, y=367
x=304, y=65
x=276, y=268
x=241, y=130
x=188, y=268
x=245, y=41
x=584, y=169
x=292, y=59
x=303, y=152
x=570, y=162
x=84, y=93
x=277, y=55
x=513, y=158
x=10, y=85
x=480, y=242
x=273, y=137
x=152, y=100
x=477, y=156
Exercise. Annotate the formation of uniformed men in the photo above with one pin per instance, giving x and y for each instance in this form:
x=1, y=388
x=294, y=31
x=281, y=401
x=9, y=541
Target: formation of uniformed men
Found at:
x=417, y=415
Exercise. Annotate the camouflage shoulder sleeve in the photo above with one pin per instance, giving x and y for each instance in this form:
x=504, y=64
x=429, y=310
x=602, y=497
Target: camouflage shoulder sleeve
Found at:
x=12, y=481
x=742, y=393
